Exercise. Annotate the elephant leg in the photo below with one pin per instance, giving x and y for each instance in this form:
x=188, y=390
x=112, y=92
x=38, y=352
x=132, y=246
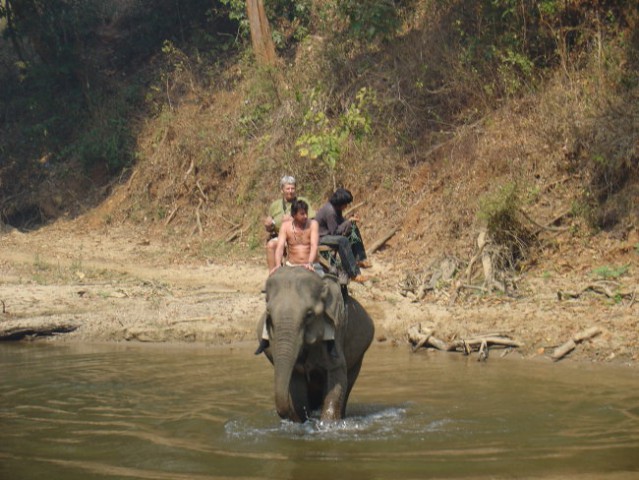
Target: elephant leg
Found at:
x=334, y=403
x=353, y=373
x=316, y=382
x=299, y=397
x=335, y=400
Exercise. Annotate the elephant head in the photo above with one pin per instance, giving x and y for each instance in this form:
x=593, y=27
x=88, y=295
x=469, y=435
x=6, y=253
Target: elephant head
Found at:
x=302, y=311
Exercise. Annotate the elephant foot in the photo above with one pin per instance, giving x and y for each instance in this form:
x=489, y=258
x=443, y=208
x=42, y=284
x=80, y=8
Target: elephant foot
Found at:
x=262, y=346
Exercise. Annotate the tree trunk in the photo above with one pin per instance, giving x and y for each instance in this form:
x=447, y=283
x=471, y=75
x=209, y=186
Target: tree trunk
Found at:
x=17, y=47
x=263, y=46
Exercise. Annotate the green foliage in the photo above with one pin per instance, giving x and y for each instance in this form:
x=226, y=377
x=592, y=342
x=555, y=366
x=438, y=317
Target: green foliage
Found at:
x=251, y=120
x=106, y=143
x=500, y=40
x=237, y=12
x=289, y=19
x=325, y=138
x=325, y=145
x=369, y=19
x=70, y=91
x=261, y=98
x=608, y=272
x=357, y=120
x=177, y=60
x=499, y=211
x=507, y=44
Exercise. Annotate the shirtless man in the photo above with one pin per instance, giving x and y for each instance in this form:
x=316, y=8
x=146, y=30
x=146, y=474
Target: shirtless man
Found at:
x=300, y=236
x=280, y=212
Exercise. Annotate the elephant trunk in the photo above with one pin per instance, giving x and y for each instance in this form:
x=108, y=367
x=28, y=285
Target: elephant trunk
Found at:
x=284, y=358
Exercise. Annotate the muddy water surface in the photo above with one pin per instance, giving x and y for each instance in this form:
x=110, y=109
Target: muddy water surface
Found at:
x=165, y=412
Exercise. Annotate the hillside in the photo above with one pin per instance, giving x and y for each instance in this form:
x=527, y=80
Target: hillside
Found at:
x=535, y=151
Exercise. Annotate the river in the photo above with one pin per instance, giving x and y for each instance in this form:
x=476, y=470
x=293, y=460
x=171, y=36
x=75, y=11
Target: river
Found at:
x=135, y=411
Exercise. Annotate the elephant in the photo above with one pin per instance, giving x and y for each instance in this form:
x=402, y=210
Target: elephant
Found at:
x=301, y=307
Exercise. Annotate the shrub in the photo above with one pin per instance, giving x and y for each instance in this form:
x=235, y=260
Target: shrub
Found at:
x=499, y=211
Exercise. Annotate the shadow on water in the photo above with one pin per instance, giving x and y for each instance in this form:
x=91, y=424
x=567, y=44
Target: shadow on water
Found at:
x=161, y=412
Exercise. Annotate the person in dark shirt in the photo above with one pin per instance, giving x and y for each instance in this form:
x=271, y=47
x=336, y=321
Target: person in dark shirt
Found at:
x=335, y=231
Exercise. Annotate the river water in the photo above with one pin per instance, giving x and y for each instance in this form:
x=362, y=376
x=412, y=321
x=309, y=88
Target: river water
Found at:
x=166, y=412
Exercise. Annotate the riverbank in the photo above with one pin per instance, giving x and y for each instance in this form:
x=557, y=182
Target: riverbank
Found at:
x=111, y=284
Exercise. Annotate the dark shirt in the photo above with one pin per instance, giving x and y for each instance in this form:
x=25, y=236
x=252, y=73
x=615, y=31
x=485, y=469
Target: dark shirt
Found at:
x=331, y=221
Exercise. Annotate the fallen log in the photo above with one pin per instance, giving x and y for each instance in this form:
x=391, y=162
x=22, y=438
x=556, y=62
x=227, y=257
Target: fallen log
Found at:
x=20, y=329
x=483, y=351
x=382, y=240
x=425, y=339
x=599, y=288
x=564, y=349
x=482, y=343
x=474, y=344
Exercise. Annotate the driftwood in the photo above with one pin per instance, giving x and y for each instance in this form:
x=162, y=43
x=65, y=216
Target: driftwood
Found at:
x=419, y=338
x=425, y=339
x=492, y=339
x=563, y=350
x=483, y=351
x=600, y=288
x=20, y=329
x=382, y=240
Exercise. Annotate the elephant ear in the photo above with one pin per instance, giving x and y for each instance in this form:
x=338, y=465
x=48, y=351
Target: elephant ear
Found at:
x=333, y=302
